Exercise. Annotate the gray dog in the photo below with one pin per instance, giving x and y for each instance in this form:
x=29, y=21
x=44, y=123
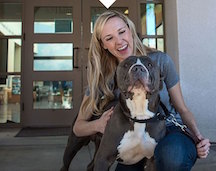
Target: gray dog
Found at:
x=134, y=128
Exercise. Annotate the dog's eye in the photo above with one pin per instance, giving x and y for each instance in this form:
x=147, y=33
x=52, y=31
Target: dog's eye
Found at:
x=150, y=64
x=125, y=65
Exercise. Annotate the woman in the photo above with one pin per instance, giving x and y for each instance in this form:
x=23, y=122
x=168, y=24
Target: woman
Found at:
x=113, y=40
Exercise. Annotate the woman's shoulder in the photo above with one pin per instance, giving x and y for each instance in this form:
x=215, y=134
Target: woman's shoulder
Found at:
x=167, y=67
x=158, y=56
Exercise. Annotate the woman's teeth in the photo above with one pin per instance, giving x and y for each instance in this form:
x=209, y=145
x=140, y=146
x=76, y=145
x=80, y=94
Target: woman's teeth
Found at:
x=122, y=48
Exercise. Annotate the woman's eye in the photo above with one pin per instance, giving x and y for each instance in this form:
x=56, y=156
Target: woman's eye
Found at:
x=121, y=32
x=109, y=38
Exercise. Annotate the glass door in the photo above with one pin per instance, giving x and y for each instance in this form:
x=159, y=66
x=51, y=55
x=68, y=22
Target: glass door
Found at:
x=53, y=71
x=43, y=55
x=57, y=36
x=11, y=40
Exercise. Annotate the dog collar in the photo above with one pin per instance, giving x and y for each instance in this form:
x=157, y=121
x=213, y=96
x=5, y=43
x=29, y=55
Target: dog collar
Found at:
x=157, y=116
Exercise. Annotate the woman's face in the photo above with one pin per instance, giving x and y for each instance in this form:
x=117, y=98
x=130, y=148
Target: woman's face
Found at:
x=117, y=38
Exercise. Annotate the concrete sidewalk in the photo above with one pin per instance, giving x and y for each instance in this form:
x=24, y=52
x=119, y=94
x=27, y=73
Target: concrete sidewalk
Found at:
x=45, y=154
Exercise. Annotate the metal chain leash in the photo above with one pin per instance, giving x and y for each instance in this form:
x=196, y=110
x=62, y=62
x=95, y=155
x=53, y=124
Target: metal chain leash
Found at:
x=176, y=123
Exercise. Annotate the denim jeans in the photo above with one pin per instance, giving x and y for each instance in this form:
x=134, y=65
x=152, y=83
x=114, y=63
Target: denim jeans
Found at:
x=175, y=152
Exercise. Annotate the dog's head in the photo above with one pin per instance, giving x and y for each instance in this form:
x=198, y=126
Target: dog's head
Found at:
x=139, y=73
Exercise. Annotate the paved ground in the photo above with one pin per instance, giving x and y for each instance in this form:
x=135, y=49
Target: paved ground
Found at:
x=45, y=154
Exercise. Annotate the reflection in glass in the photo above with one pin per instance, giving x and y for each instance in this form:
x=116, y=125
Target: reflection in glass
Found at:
x=53, y=20
x=151, y=19
x=10, y=55
x=95, y=13
x=10, y=19
x=160, y=44
x=154, y=43
x=10, y=91
x=52, y=95
x=53, y=57
x=149, y=42
x=160, y=30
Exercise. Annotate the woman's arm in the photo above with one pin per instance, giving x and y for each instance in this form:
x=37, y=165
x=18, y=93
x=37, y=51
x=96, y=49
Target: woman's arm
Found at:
x=188, y=119
x=178, y=102
x=83, y=127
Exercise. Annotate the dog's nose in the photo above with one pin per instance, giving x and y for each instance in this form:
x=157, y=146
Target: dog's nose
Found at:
x=138, y=68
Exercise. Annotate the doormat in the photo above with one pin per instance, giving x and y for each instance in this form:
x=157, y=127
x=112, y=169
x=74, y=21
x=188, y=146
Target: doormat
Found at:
x=41, y=132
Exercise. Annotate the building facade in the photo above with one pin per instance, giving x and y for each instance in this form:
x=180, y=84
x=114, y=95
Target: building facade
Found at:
x=44, y=46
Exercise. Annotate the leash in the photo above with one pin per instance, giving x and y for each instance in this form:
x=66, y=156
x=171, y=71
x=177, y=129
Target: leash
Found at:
x=183, y=127
x=166, y=117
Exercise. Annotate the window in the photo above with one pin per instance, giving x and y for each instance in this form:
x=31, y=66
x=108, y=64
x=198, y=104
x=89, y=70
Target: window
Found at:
x=152, y=24
x=52, y=94
x=10, y=61
x=57, y=55
x=53, y=20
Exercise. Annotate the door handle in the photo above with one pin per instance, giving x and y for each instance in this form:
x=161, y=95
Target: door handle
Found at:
x=76, y=57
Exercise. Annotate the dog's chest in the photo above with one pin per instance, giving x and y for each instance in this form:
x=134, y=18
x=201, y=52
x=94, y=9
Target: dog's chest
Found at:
x=137, y=144
x=138, y=106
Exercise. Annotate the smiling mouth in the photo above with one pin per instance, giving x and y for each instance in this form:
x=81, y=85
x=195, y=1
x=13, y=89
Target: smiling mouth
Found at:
x=123, y=48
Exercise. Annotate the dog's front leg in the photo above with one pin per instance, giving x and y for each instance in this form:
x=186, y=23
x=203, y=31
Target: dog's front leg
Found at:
x=101, y=164
x=105, y=156
x=74, y=144
x=96, y=139
x=106, y=153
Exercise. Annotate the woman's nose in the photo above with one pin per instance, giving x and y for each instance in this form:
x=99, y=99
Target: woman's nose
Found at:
x=118, y=40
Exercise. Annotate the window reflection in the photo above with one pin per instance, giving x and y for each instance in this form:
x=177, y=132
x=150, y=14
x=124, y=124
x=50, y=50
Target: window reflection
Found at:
x=10, y=52
x=10, y=19
x=154, y=43
x=149, y=42
x=53, y=57
x=10, y=90
x=152, y=27
x=151, y=19
x=53, y=20
x=160, y=44
x=52, y=94
x=10, y=61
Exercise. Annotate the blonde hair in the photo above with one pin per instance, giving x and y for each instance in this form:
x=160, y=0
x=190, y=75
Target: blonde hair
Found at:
x=102, y=65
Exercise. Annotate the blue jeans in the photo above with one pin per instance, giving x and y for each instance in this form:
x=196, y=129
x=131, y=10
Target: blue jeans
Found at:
x=175, y=152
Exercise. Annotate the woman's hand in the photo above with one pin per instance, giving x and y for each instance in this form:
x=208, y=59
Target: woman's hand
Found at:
x=102, y=121
x=203, y=147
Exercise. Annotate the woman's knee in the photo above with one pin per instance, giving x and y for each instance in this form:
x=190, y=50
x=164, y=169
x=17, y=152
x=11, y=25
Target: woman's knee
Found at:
x=175, y=152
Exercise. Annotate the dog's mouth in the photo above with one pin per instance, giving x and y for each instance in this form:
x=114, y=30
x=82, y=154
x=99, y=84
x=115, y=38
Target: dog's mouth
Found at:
x=141, y=84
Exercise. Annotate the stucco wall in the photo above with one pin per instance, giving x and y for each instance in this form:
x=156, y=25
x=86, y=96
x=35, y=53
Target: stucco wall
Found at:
x=196, y=58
